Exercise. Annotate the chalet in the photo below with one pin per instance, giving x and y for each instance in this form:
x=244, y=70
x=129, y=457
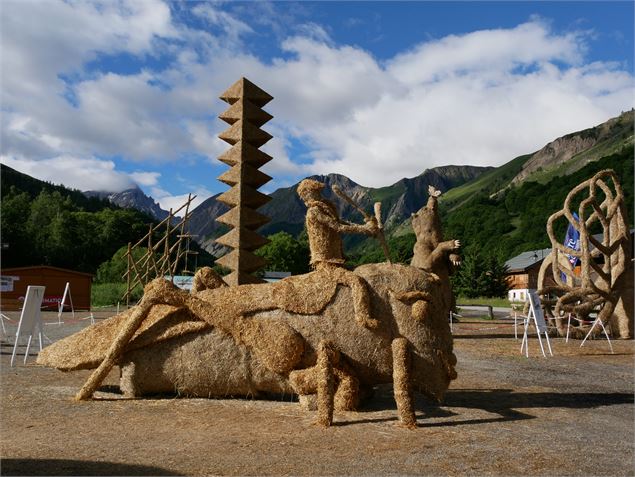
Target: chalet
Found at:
x=522, y=273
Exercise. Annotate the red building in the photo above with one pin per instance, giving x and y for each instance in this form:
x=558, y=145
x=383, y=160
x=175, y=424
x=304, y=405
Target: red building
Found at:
x=14, y=282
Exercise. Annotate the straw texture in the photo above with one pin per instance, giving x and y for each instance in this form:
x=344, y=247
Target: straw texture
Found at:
x=401, y=382
x=605, y=282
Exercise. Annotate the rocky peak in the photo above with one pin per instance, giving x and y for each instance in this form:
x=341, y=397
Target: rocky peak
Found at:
x=133, y=198
x=583, y=146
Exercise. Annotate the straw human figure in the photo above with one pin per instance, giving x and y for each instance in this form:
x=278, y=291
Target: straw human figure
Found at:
x=324, y=227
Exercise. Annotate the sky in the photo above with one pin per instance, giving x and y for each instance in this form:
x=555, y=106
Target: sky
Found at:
x=108, y=94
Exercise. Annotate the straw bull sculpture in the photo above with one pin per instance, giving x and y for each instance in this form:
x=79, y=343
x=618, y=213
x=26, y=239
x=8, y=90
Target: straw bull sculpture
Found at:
x=299, y=335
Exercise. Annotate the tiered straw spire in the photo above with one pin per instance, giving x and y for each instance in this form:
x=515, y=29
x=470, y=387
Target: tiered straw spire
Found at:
x=245, y=117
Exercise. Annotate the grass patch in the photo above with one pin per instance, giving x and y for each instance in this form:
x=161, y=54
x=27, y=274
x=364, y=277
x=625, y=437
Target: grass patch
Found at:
x=502, y=302
x=109, y=294
x=488, y=182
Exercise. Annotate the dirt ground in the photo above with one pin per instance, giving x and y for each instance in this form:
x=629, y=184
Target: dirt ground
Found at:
x=570, y=414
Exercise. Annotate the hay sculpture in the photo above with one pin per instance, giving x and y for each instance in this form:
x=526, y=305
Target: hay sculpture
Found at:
x=430, y=251
x=296, y=336
x=328, y=336
x=605, y=281
x=245, y=117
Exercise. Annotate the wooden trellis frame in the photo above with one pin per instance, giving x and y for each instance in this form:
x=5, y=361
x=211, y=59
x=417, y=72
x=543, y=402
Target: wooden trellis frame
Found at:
x=148, y=267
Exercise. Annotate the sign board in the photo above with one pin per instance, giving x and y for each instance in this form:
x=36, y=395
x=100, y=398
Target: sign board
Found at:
x=6, y=283
x=30, y=319
x=184, y=282
x=536, y=309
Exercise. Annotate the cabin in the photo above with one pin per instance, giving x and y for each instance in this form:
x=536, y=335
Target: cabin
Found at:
x=14, y=282
x=522, y=273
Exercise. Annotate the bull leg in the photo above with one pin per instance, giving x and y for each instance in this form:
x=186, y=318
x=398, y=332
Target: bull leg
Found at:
x=346, y=394
x=114, y=352
x=401, y=382
x=153, y=295
x=325, y=383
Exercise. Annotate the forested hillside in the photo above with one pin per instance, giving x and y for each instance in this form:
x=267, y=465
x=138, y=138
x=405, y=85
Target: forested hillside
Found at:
x=44, y=224
x=512, y=221
x=515, y=220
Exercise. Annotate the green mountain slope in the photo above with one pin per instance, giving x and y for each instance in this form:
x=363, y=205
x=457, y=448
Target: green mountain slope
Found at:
x=563, y=156
x=504, y=211
x=488, y=183
x=515, y=220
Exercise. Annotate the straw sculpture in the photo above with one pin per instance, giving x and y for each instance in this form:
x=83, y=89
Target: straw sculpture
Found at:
x=605, y=281
x=431, y=253
x=328, y=336
x=324, y=227
x=296, y=336
x=245, y=116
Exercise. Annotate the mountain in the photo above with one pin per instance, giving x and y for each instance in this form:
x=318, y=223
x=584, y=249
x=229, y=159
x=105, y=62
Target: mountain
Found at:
x=505, y=210
x=287, y=210
x=514, y=220
x=562, y=156
x=570, y=153
x=132, y=199
x=46, y=224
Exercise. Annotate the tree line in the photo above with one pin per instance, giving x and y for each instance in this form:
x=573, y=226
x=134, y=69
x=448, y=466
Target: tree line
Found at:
x=51, y=229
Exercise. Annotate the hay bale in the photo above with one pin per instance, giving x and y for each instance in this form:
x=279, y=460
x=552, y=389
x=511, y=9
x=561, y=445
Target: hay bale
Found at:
x=203, y=364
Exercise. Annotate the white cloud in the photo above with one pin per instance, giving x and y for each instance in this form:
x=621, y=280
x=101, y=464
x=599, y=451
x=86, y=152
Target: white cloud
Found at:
x=74, y=172
x=168, y=201
x=488, y=52
x=314, y=31
x=231, y=26
x=145, y=178
x=481, y=98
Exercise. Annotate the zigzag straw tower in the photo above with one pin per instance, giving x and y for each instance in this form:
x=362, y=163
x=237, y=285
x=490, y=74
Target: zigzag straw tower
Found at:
x=245, y=117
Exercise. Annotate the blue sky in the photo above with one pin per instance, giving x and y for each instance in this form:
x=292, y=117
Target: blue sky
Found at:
x=103, y=95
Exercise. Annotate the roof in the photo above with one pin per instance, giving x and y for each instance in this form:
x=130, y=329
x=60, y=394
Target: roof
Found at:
x=6, y=271
x=527, y=260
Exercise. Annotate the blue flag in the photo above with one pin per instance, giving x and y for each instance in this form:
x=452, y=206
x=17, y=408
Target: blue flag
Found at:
x=572, y=240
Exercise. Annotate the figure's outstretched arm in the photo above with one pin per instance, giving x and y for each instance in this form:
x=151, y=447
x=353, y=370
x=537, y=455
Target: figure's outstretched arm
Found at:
x=369, y=228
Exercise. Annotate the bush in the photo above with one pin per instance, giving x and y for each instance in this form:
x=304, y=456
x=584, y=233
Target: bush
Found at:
x=109, y=294
x=113, y=270
x=285, y=254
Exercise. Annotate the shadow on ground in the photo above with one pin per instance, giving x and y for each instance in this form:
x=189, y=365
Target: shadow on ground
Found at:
x=76, y=467
x=504, y=402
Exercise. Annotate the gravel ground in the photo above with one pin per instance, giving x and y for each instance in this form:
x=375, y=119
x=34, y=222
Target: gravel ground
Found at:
x=571, y=414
